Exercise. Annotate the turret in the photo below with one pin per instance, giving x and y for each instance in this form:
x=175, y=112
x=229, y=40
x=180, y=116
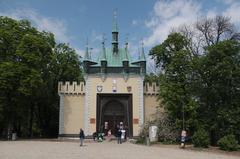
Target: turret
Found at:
x=142, y=61
x=87, y=59
x=87, y=55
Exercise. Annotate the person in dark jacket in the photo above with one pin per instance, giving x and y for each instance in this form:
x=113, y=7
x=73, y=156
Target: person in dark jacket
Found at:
x=81, y=136
x=119, y=135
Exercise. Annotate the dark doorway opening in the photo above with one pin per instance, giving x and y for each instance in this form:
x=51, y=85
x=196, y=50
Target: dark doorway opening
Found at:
x=113, y=109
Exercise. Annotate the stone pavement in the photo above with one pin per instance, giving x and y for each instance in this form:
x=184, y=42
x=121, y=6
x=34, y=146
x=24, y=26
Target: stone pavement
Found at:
x=105, y=150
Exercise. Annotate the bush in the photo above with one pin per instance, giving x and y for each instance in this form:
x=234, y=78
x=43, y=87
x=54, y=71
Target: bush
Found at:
x=143, y=133
x=166, y=129
x=166, y=132
x=200, y=138
x=228, y=143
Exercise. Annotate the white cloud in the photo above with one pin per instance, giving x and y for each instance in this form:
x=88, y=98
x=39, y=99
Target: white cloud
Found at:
x=233, y=12
x=169, y=14
x=56, y=26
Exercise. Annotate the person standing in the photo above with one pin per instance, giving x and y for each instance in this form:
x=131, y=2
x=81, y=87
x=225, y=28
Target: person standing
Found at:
x=119, y=134
x=81, y=136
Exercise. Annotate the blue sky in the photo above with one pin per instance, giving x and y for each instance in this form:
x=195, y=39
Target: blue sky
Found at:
x=73, y=21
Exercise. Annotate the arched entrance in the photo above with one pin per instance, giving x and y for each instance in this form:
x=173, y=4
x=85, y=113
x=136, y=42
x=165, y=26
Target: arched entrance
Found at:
x=113, y=109
x=113, y=114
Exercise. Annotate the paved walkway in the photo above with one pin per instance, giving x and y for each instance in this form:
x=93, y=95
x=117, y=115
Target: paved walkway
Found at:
x=105, y=150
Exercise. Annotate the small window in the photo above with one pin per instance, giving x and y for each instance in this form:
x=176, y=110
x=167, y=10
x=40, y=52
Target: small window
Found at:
x=67, y=88
x=74, y=87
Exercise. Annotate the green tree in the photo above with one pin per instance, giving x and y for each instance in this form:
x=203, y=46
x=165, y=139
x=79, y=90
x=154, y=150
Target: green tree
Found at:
x=175, y=80
x=200, y=73
x=219, y=90
x=31, y=64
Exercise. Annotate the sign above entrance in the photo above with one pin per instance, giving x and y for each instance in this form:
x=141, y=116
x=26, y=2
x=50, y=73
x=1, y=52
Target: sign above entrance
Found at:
x=99, y=88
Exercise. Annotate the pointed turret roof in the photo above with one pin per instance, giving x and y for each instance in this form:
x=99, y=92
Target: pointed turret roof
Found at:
x=87, y=55
x=103, y=54
x=142, y=54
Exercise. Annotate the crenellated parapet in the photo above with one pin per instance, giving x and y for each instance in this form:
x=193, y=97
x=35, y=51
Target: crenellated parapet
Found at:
x=151, y=88
x=71, y=88
x=79, y=88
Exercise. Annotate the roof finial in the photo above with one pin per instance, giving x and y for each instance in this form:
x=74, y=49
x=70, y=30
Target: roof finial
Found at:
x=138, y=54
x=142, y=56
x=115, y=27
x=103, y=56
x=90, y=53
x=87, y=57
x=126, y=41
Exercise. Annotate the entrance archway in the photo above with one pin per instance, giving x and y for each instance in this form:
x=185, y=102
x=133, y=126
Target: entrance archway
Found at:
x=113, y=114
x=113, y=109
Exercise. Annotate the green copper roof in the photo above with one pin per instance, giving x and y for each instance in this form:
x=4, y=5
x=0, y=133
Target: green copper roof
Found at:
x=114, y=60
x=142, y=56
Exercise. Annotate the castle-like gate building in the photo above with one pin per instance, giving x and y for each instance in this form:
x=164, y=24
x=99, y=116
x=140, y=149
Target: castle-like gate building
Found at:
x=113, y=93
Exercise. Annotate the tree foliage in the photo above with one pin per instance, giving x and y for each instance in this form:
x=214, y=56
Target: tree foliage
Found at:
x=202, y=88
x=175, y=81
x=31, y=64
